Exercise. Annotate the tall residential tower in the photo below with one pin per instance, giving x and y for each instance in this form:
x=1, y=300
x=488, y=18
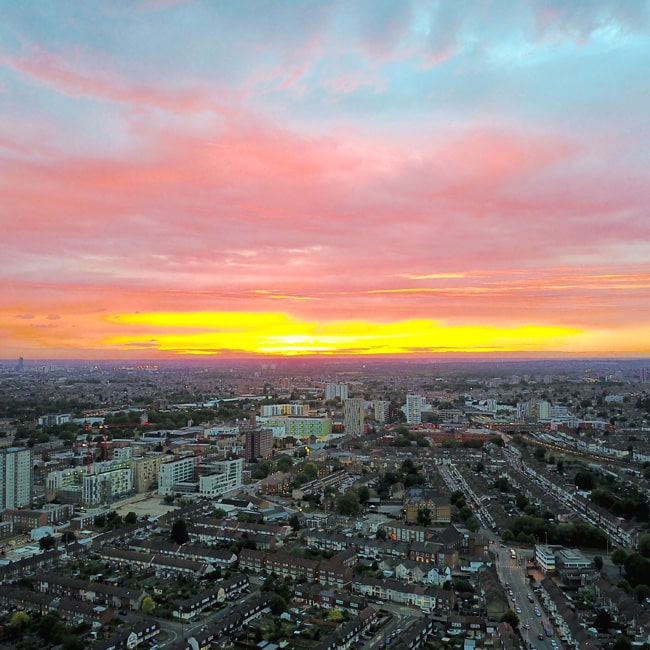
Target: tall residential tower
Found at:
x=16, y=478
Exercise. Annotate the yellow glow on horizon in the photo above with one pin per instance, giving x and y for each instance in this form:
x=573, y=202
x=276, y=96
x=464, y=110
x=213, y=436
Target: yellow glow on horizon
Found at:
x=280, y=334
x=432, y=276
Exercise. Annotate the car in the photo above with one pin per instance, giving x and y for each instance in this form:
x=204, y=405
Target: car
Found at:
x=122, y=612
x=540, y=636
x=518, y=610
x=527, y=626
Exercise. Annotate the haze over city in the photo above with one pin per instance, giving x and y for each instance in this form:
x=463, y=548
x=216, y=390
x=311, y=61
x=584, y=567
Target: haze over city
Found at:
x=369, y=178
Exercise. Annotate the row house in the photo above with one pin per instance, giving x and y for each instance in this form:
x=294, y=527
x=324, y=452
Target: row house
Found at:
x=334, y=574
x=403, y=533
x=317, y=596
x=251, y=528
x=30, y=565
x=427, y=552
x=412, y=571
x=248, y=610
x=223, y=590
x=252, y=560
x=66, y=608
x=330, y=574
x=326, y=541
x=348, y=633
x=494, y=595
x=120, y=536
x=26, y=520
x=472, y=626
x=296, y=568
x=57, y=585
x=165, y=566
x=207, y=534
x=380, y=548
x=424, y=598
x=415, y=635
x=212, y=556
x=137, y=634
x=349, y=557
x=366, y=547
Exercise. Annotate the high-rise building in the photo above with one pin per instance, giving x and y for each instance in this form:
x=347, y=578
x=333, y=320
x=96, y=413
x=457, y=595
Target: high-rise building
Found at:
x=20, y=366
x=353, y=416
x=413, y=409
x=259, y=443
x=332, y=391
x=382, y=411
x=16, y=478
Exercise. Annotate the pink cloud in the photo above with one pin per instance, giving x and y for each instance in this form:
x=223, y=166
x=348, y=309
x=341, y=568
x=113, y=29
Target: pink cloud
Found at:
x=70, y=75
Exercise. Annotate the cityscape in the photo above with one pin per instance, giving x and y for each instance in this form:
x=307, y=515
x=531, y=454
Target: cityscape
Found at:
x=322, y=505
x=324, y=325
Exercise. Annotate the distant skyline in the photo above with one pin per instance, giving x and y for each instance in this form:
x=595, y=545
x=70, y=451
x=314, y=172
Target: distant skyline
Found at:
x=378, y=177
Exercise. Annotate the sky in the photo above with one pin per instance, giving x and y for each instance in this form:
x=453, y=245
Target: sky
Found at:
x=366, y=177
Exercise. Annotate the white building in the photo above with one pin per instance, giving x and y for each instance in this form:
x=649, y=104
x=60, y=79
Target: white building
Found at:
x=270, y=410
x=332, y=391
x=214, y=479
x=175, y=472
x=413, y=409
x=107, y=481
x=16, y=478
x=221, y=477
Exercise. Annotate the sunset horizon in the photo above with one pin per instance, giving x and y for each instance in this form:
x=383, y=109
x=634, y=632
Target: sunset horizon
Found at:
x=188, y=179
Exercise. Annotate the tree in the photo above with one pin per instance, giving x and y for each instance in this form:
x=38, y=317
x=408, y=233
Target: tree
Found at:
x=284, y=463
x=294, y=522
x=47, y=543
x=603, y=620
x=148, y=604
x=424, y=516
x=335, y=615
x=348, y=504
x=364, y=494
x=510, y=617
x=622, y=643
x=644, y=545
x=473, y=524
x=539, y=454
x=179, y=532
x=310, y=470
x=381, y=533
x=277, y=604
x=130, y=518
x=584, y=480
x=618, y=558
x=641, y=592
x=73, y=642
x=19, y=619
x=51, y=628
x=598, y=563
x=502, y=484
